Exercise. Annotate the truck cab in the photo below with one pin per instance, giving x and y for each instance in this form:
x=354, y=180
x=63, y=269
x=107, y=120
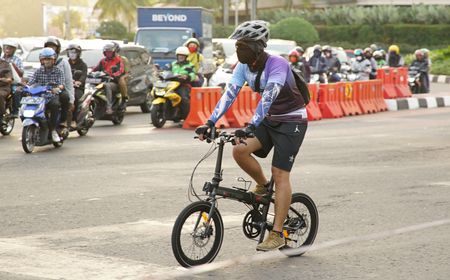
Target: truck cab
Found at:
x=162, y=30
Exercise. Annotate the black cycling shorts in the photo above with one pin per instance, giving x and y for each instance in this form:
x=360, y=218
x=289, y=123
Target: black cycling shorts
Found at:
x=286, y=137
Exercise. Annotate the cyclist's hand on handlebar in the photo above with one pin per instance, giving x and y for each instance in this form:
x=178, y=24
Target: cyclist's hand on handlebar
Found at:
x=203, y=131
x=242, y=134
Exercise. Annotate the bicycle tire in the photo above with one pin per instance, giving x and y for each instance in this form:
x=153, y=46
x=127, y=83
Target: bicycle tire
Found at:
x=309, y=231
x=182, y=256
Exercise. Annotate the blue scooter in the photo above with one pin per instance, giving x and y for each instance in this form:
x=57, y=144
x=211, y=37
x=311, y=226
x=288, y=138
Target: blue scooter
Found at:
x=35, y=130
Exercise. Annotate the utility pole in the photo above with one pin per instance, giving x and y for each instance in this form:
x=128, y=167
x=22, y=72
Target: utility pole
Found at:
x=236, y=12
x=67, y=22
x=226, y=10
x=253, y=10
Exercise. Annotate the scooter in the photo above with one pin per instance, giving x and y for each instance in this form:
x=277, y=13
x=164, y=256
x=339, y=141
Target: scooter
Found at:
x=34, y=118
x=84, y=112
x=414, y=79
x=95, y=86
x=166, y=102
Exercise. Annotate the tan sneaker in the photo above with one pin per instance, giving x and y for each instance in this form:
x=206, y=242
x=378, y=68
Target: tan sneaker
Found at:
x=259, y=190
x=273, y=242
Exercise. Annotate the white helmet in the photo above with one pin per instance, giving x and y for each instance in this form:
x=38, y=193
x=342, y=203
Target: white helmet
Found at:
x=253, y=30
x=11, y=42
x=182, y=51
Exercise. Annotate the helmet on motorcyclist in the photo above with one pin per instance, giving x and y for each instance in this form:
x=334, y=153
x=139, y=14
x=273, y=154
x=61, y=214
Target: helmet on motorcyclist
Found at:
x=192, y=44
x=394, y=48
x=368, y=53
x=254, y=30
x=358, y=54
x=300, y=50
x=182, y=53
x=378, y=55
x=426, y=52
x=116, y=47
x=73, y=51
x=419, y=54
x=109, y=50
x=10, y=42
x=46, y=54
x=326, y=48
x=374, y=47
x=294, y=56
x=53, y=42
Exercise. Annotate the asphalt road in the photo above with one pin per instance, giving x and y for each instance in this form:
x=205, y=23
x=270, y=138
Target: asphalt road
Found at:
x=103, y=206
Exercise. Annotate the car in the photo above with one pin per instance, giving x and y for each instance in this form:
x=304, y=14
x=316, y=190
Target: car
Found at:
x=141, y=68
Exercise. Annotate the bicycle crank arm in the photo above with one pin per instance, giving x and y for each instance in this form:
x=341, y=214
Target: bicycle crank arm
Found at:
x=241, y=196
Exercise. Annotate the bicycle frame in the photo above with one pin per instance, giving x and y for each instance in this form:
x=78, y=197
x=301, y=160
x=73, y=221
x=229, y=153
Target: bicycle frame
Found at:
x=213, y=189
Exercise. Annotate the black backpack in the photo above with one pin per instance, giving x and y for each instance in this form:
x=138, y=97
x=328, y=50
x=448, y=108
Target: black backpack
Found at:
x=299, y=82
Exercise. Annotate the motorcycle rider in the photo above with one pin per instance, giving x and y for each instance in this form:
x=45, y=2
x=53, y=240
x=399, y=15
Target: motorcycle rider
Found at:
x=302, y=59
x=421, y=65
x=77, y=63
x=196, y=59
x=10, y=46
x=123, y=80
x=67, y=97
x=5, y=85
x=333, y=64
x=361, y=65
x=49, y=73
x=296, y=64
x=318, y=63
x=280, y=120
x=393, y=58
x=379, y=58
x=111, y=60
x=426, y=80
x=373, y=63
x=186, y=72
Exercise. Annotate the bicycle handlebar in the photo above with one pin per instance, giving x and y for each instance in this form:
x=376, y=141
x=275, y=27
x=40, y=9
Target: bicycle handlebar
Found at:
x=228, y=137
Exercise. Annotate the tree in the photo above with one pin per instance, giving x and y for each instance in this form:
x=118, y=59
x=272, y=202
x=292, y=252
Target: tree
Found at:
x=296, y=29
x=76, y=22
x=113, y=9
x=112, y=30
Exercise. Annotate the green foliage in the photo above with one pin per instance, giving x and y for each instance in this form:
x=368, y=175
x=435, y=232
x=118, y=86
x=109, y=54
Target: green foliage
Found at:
x=358, y=15
x=296, y=29
x=440, y=61
x=112, y=30
x=76, y=21
x=222, y=31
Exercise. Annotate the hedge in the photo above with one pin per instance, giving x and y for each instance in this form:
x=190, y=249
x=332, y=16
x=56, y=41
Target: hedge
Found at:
x=412, y=34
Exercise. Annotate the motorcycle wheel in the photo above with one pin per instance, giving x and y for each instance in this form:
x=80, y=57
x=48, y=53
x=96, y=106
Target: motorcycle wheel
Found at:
x=147, y=105
x=58, y=144
x=28, y=137
x=158, y=116
x=82, y=131
x=7, y=127
x=118, y=119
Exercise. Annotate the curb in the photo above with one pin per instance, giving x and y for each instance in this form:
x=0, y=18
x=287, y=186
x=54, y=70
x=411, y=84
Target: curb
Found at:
x=440, y=79
x=414, y=103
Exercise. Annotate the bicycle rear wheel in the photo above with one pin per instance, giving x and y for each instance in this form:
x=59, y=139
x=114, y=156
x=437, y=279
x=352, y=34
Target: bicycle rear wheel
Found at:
x=194, y=242
x=301, y=225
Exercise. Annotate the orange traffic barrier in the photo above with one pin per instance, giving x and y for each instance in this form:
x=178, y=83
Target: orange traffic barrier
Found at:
x=377, y=88
x=350, y=94
x=214, y=98
x=329, y=101
x=237, y=115
x=203, y=101
x=345, y=101
x=370, y=97
x=401, y=82
x=312, y=108
x=360, y=91
x=387, y=75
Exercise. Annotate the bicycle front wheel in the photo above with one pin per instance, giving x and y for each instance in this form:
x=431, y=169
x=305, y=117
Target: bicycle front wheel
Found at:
x=301, y=225
x=194, y=240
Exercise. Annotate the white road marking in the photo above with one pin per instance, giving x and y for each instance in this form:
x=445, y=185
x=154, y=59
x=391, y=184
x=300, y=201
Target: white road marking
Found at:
x=59, y=254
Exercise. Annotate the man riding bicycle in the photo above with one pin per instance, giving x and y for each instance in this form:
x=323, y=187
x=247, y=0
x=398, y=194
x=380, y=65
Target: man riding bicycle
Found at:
x=280, y=120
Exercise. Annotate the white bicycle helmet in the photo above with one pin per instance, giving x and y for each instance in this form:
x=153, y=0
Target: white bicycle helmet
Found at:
x=182, y=51
x=254, y=30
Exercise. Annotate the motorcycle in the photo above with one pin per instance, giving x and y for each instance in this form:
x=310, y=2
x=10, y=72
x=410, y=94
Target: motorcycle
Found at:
x=414, y=79
x=84, y=112
x=166, y=102
x=34, y=118
x=7, y=123
x=95, y=86
x=316, y=78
